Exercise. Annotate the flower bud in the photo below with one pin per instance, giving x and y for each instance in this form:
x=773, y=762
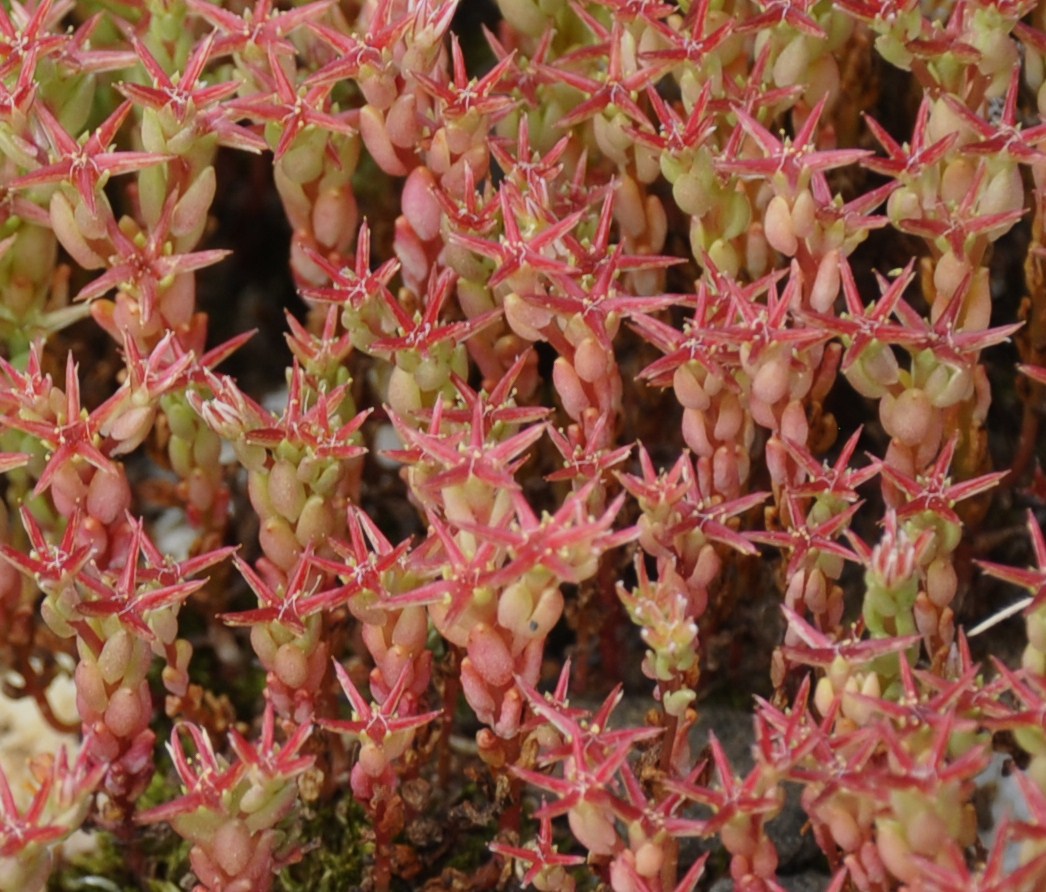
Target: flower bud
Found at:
x=285, y=491
x=116, y=655
x=303, y=162
x=316, y=522
x=524, y=16
x=694, y=193
x=804, y=215
x=1036, y=629
x=68, y=231
x=232, y=846
x=526, y=319
x=419, y=203
x=290, y=665
x=127, y=712
x=376, y=139
x=825, y=288
x=279, y=542
x=190, y=213
x=593, y=828
x=490, y=655
x=570, y=389
x=334, y=217
x=778, y=228
x=108, y=494
x=591, y=361
x=908, y=417
x=676, y=703
x=91, y=695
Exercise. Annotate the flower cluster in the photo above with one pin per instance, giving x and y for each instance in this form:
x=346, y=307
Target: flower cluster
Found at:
x=647, y=346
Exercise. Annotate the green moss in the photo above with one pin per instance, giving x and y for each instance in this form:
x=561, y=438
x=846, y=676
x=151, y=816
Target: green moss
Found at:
x=338, y=850
x=108, y=867
x=157, y=860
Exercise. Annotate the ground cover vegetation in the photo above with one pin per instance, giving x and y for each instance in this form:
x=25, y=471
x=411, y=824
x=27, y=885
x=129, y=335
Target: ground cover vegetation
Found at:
x=392, y=389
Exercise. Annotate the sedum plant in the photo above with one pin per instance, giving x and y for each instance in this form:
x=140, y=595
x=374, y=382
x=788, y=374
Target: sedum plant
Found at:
x=604, y=326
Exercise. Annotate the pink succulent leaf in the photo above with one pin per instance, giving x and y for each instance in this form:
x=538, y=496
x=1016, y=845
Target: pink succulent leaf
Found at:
x=838, y=481
x=86, y=166
x=293, y=108
x=51, y=565
x=616, y=89
x=361, y=562
x=70, y=435
x=424, y=332
x=753, y=96
x=282, y=762
x=776, y=13
x=357, y=285
x=56, y=783
x=129, y=599
x=542, y=855
x=459, y=457
x=698, y=341
x=950, y=872
x=475, y=210
x=556, y=541
x=796, y=159
x=582, y=460
x=283, y=604
x=373, y=720
x=733, y=798
x=587, y=739
x=1032, y=579
x=323, y=349
x=206, y=778
x=912, y=158
x=1002, y=135
x=598, y=302
x=803, y=541
x=354, y=52
x=84, y=53
x=933, y=491
x=497, y=408
x=821, y=650
x=189, y=95
x=142, y=269
x=261, y=25
x=465, y=576
x=9, y=461
x=1036, y=373
x=691, y=44
x=698, y=510
x=316, y=427
x=462, y=96
x=512, y=252
x=27, y=38
x=787, y=738
x=521, y=161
